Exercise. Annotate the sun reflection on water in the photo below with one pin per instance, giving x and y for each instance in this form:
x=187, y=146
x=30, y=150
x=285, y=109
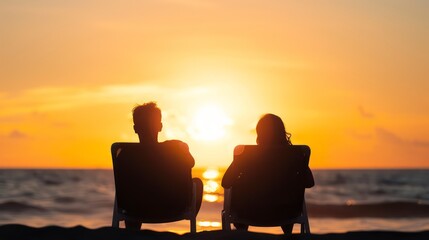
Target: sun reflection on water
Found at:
x=212, y=189
x=211, y=174
x=210, y=197
x=211, y=186
x=209, y=224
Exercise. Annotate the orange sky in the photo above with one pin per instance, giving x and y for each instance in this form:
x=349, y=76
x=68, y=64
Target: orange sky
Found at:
x=349, y=78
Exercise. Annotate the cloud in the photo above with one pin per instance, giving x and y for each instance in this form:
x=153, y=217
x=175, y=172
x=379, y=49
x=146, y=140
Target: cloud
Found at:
x=364, y=113
x=11, y=118
x=359, y=135
x=420, y=143
x=45, y=99
x=16, y=134
x=191, y=3
x=390, y=137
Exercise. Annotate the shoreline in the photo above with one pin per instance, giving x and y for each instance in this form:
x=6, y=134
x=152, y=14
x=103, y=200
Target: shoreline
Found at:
x=22, y=232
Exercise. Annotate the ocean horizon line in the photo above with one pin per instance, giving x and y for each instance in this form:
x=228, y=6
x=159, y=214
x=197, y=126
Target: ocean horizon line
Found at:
x=214, y=167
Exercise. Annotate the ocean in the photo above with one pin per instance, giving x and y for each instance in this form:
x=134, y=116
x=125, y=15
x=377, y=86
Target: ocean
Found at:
x=341, y=201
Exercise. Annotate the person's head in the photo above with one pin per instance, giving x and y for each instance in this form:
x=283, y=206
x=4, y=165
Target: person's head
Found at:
x=271, y=131
x=147, y=121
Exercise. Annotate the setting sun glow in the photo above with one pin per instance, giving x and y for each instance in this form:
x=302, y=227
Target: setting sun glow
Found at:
x=209, y=123
x=349, y=79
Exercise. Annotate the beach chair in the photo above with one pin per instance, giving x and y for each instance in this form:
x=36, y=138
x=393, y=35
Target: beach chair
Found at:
x=150, y=187
x=270, y=190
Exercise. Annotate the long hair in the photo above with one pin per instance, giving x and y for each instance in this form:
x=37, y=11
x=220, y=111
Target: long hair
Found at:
x=271, y=131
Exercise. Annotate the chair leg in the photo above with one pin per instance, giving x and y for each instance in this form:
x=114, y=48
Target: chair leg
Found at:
x=307, y=227
x=306, y=224
x=193, y=219
x=193, y=225
x=115, y=217
x=226, y=225
x=115, y=222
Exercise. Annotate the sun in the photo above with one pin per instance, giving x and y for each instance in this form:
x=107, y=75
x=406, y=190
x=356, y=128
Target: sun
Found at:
x=209, y=123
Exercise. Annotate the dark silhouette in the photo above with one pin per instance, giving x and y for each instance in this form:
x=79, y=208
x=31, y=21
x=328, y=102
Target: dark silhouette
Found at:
x=253, y=172
x=153, y=179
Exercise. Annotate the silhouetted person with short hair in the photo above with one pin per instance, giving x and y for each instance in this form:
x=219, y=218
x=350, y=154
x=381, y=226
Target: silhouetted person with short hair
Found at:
x=147, y=124
x=270, y=132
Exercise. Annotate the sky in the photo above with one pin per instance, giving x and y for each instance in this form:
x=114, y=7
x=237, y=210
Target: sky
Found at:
x=348, y=78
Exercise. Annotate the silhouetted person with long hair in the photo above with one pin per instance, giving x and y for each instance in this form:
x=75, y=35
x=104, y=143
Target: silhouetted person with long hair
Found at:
x=270, y=131
x=147, y=124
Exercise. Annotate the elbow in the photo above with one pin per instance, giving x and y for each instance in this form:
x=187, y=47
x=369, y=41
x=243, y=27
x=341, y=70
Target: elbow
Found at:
x=226, y=184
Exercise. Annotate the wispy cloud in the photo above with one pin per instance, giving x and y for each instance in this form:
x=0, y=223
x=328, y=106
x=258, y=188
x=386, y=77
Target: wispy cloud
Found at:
x=420, y=143
x=364, y=113
x=392, y=138
x=359, y=135
x=191, y=3
x=51, y=99
x=388, y=136
x=16, y=134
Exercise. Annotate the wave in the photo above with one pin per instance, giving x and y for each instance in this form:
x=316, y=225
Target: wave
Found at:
x=373, y=210
x=65, y=199
x=51, y=182
x=12, y=206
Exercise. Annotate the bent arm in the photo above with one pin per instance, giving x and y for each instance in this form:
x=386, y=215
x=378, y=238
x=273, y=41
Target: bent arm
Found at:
x=189, y=159
x=231, y=174
x=308, y=178
x=181, y=150
x=308, y=175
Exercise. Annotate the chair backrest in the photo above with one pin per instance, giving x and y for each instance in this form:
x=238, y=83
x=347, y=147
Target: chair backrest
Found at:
x=150, y=183
x=271, y=186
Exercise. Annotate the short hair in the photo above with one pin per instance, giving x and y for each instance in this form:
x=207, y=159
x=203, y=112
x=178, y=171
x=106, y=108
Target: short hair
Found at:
x=146, y=114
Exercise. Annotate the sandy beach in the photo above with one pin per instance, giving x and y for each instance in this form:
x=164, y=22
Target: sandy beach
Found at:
x=22, y=232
